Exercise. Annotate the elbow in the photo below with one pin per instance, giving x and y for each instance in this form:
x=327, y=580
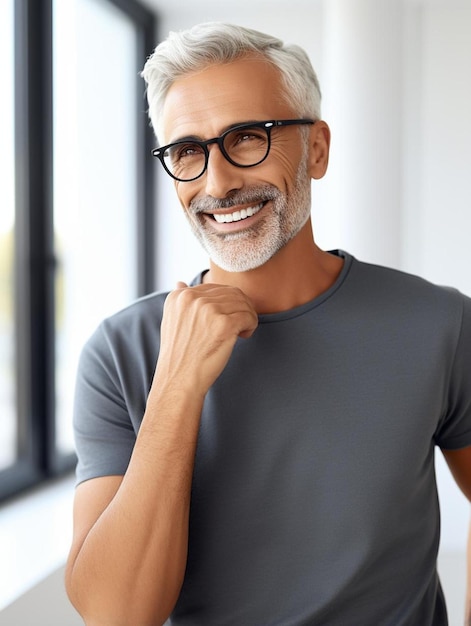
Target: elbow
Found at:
x=99, y=609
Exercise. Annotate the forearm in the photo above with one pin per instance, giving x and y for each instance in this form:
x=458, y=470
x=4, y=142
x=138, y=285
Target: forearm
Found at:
x=130, y=566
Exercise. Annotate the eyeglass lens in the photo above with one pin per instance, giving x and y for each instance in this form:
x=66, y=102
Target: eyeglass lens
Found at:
x=244, y=147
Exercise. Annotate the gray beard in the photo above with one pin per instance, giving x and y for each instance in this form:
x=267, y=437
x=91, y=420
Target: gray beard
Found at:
x=250, y=248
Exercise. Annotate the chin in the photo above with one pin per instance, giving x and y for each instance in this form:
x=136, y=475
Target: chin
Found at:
x=242, y=260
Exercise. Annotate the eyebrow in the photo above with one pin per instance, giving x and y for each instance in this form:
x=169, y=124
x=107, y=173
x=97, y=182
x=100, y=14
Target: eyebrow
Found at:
x=225, y=129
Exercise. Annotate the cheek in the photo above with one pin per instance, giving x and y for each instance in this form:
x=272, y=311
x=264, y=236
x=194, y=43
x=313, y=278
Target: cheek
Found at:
x=185, y=193
x=284, y=170
x=286, y=160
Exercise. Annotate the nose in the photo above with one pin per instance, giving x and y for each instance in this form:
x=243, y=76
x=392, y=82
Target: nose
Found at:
x=221, y=176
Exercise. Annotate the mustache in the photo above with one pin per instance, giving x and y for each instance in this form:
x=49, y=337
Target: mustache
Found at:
x=248, y=195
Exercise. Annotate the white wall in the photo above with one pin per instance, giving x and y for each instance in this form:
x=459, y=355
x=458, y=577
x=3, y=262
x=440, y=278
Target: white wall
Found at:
x=443, y=95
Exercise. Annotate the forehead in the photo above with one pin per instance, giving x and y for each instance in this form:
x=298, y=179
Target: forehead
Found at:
x=204, y=103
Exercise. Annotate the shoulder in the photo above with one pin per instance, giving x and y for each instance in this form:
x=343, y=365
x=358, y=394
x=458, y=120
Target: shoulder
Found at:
x=404, y=306
x=144, y=311
x=406, y=291
x=144, y=314
x=124, y=332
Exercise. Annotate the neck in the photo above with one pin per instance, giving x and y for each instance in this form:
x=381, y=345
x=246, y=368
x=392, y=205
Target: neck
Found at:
x=298, y=273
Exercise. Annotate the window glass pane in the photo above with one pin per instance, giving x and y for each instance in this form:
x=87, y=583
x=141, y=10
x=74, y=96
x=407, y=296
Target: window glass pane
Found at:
x=95, y=214
x=8, y=426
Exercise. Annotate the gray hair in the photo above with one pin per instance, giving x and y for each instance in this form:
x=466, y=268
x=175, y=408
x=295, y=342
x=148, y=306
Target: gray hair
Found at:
x=210, y=43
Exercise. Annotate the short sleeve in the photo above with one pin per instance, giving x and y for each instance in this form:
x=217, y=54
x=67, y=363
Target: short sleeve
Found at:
x=455, y=428
x=104, y=434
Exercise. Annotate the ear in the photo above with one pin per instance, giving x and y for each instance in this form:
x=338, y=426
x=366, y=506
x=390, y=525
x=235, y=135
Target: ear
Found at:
x=319, y=144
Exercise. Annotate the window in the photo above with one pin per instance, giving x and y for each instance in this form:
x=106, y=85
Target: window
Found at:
x=76, y=238
x=8, y=424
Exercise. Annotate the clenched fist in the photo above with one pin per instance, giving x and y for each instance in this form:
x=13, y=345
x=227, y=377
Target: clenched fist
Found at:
x=199, y=328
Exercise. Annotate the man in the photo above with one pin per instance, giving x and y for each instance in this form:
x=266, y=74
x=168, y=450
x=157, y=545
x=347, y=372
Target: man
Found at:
x=257, y=448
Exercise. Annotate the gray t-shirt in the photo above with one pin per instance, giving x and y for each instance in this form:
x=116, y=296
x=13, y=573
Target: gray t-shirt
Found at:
x=314, y=498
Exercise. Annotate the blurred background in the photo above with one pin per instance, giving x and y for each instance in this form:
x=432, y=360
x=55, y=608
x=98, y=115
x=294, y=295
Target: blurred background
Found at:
x=88, y=222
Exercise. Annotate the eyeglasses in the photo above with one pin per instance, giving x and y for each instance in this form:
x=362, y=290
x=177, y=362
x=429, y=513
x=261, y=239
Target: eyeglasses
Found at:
x=245, y=145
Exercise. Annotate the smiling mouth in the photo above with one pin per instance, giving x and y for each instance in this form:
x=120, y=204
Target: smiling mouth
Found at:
x=237, y=216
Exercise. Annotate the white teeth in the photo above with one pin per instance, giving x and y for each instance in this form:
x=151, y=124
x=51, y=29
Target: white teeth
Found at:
x=237, y=216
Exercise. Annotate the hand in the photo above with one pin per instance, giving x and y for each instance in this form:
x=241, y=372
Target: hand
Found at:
x=200, y=326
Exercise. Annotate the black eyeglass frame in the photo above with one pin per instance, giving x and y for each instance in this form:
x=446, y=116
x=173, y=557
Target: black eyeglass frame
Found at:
x=159, y=153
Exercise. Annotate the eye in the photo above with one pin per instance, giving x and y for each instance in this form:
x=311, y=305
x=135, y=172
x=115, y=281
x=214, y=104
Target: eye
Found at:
x=182, y=151
x=244, y=140
x=244, y=136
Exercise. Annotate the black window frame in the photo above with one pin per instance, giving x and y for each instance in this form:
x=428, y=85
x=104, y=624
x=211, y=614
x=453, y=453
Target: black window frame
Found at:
x=35, y=263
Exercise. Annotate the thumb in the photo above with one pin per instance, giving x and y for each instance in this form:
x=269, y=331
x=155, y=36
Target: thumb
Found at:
x=181, y=285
